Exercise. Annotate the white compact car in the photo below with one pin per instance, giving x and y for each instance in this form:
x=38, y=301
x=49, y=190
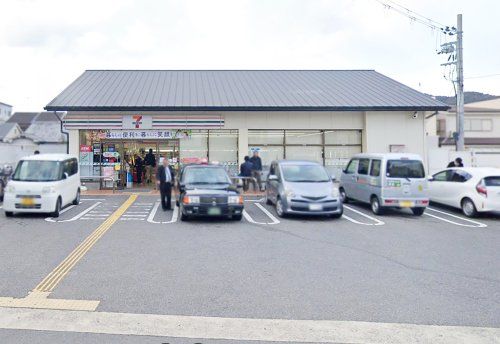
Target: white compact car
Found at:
x=472, y=189
x=43, y=183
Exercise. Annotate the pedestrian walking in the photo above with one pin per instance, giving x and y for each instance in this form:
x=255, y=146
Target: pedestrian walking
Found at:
x=139, y=168
x=256, y=170
x=164, y=178
x=150, y=162
x=246, y=172
x=456, y=163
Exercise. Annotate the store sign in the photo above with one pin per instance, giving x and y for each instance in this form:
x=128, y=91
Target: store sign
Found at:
x=85, y=148
x=146, y=134
x=137, y=122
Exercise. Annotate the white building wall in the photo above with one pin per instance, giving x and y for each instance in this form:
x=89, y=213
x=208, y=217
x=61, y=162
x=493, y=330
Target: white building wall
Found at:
x=494, y=117
x=384, y=129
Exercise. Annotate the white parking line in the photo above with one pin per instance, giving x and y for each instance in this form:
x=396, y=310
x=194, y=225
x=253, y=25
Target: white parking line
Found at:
x=376, y=221
x=265, y=211
x=151, y=216
x=134, y=215
x=76, y=217
x=92, y=199
x=474, y=224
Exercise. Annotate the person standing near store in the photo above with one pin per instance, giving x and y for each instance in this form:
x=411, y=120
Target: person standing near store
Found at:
x=139, y=168
x=246, y=172
x=256, y=169
x=456, y=163
x=150, y=162
x=164, y=178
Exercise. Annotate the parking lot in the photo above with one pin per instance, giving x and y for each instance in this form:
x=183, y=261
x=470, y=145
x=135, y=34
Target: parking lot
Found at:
x=123, y=254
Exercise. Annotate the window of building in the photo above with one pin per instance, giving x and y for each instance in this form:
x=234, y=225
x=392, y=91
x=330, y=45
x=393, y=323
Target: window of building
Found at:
x=223, y=148
x=478, y=124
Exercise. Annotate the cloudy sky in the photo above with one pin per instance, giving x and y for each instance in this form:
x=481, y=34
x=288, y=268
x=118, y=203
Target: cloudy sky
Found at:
x=46, y=44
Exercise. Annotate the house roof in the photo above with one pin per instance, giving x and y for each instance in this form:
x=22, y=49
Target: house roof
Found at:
x=278, y=90
x=24, y=119
x=5, y=104
x=5, y=129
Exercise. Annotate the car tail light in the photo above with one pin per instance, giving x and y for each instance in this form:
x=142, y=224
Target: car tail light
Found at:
x=481, y=188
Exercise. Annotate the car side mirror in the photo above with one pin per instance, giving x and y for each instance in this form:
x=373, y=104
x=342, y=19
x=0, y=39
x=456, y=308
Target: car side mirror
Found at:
x=65, y=175
x=430, y=178
x=182, y=187
x=272, y=177
x=334, y=179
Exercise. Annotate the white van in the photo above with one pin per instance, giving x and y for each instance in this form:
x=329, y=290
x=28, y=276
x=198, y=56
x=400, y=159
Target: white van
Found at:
x=386, y=180
x=43, y=183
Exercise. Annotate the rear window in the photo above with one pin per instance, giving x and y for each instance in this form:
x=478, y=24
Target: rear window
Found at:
x=405, y=169
x=492, y=181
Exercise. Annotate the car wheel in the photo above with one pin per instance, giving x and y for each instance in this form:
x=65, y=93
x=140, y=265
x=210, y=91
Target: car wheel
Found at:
x=268, y=200
x=237, y=217
x=376, y=207
x=9, y=214
x=468, y=208
x=418, y=211
x=76, y=201
x=57, y=211
x=280, y=210
x=343, y=196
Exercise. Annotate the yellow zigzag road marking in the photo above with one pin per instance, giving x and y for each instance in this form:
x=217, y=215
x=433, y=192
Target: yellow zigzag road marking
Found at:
x=50, y=282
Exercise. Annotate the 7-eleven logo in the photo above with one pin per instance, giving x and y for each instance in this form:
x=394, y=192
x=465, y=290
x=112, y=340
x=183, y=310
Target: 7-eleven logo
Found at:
x=137, y=121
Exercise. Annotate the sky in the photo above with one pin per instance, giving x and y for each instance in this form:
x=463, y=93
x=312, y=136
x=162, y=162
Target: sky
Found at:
x=46, y=44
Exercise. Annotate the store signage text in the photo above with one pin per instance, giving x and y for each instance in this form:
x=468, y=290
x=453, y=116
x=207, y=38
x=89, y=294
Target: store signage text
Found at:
x=145, y=134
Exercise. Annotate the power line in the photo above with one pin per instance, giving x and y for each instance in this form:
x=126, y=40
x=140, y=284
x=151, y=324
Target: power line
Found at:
x=482, y=76
x=413, y=16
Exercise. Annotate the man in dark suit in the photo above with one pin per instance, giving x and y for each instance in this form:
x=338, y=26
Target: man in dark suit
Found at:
x=164, y=179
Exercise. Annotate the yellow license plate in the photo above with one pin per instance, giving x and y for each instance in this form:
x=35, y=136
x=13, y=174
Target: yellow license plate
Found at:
x=406, y=204
x=27, y=201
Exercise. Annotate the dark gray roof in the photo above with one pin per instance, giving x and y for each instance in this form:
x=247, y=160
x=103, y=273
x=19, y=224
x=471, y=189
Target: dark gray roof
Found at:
x=6, y=104
x=168, y=90
x=5, y=128
x=24, y=119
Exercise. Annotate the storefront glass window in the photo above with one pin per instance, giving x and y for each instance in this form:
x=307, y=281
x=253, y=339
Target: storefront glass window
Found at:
x=303, y=137
x=337, y=157
x=194, y=148
x=223, y=148
x=265, y=137
x=313, y=153
x=343, y=137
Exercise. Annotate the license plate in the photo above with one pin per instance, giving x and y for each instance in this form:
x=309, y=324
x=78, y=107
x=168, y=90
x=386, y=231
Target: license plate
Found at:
x=406, y=204
x=27, y=201
x=214, y=211
x=315, y=207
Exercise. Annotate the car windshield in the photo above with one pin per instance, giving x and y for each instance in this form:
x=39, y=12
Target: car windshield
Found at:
x=37, y=171
x=304, y=173
x=492, y=181
x=405, y=169
x=205, y=176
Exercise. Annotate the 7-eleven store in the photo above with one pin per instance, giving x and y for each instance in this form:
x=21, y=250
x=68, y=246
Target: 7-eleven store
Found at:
x=108, y=144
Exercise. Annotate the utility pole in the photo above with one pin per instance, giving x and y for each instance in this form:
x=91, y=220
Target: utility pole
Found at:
x=460, y=140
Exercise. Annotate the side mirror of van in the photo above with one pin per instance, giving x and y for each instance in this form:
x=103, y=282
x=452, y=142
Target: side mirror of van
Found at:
x=272, y=177
x=65, y=175
x=430, y=178
x=334, y=179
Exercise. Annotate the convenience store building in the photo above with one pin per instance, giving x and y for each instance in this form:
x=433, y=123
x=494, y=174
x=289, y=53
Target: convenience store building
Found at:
x=223, y=115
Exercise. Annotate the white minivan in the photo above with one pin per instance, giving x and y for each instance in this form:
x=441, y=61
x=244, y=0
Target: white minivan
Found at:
x=43, y=183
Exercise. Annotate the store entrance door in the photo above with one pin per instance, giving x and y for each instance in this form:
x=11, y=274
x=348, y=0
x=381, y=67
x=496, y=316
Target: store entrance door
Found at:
x=139, y=148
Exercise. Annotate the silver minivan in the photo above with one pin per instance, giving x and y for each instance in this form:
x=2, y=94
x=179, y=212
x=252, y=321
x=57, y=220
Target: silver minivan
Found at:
x=302, y=187
x=386, y=180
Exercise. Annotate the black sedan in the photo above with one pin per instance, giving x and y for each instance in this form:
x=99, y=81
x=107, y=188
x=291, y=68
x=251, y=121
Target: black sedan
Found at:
x=206, y=190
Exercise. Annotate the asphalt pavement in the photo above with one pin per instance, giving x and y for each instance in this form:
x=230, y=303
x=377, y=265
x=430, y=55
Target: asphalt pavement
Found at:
x=133, y=258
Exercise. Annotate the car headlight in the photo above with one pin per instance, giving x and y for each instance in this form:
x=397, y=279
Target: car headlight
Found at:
x=235, y=199
x=335, y=192
x=10, y=189
x=289, y=193
x=48, y=189
x=191, y=199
